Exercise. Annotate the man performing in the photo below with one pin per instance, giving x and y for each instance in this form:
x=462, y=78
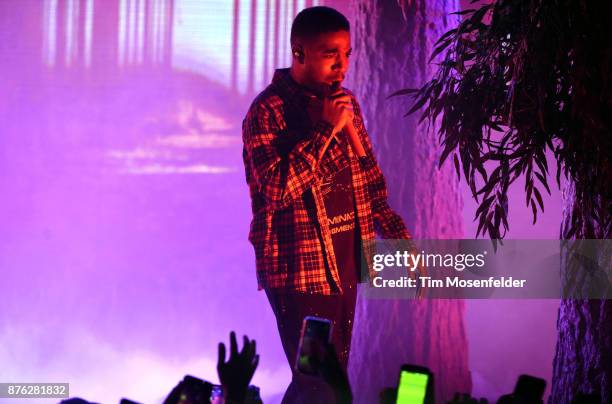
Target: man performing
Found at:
x=316, y=188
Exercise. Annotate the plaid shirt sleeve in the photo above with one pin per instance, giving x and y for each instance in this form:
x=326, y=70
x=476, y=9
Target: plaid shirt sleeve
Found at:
x=387, y=223
x=281, y=180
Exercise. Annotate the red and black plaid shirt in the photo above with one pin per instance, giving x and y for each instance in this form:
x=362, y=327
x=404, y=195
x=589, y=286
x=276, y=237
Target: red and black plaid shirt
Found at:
x=289, y=230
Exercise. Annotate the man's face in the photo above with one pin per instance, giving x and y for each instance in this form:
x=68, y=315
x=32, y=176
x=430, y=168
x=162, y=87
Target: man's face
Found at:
x=326, y=58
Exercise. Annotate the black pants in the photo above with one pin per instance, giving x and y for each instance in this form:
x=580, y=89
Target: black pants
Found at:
x=290, y=309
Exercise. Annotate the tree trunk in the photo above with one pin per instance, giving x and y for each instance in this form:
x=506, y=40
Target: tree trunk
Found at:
x=583, y=358
x=392, y=43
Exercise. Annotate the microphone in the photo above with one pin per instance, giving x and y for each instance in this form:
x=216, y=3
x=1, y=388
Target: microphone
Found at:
x=350, y=129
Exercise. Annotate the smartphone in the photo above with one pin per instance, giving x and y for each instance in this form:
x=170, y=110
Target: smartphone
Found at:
x=315, y=335
x=216, y=394
x=252, y=395
x=530, y=388
x=415, y=385
x=195, y=389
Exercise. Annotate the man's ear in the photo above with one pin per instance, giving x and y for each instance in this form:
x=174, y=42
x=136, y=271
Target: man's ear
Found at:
x=298, y=52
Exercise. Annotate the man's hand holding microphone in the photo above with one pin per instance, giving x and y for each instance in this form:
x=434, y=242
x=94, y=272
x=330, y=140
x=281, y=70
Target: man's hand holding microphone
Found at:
x=337, y=109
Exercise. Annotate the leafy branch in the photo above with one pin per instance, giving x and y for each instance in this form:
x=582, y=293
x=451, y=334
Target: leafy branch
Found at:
x=517, y=79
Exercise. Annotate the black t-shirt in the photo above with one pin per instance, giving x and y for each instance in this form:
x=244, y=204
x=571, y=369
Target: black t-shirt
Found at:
x=340, y=207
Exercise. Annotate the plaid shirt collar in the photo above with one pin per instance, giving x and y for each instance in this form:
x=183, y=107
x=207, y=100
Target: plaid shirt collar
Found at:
x=296, y=94
x=289, y=88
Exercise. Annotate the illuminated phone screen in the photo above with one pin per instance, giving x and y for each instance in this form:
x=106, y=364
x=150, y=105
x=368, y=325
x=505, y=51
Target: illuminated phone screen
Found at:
x=412, y=388
x=315, y=334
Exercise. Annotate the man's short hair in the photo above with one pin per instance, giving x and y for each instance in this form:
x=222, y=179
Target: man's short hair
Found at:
x=313, y=21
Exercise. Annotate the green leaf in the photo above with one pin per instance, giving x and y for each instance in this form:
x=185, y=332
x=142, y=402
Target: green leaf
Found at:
x=449, y=148
x=480, y=224
x=439, y=49
x=536, y=192
x=477, y=16
x=462, y=12
x=528, y=188
x=543, y=181
x=534, y=210
x=404, y=91
x=418, y=104
x=456, y=159
x=484, y=206
x=446, y=35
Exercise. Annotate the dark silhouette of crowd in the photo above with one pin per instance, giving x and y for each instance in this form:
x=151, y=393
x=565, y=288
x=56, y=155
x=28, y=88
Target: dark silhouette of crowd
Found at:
x=235, y=374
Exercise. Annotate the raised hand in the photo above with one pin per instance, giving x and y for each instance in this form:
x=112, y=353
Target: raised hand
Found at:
x=236, y=374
